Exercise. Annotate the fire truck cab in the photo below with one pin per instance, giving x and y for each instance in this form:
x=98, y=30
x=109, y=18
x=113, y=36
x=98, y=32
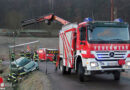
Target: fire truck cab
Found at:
x=41, y=54
x=95, y=47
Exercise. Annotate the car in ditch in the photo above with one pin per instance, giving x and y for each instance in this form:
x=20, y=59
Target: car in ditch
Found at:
x=23, y=66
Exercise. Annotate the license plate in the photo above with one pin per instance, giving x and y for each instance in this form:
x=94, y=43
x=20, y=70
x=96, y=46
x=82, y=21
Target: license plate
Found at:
x=112, y=64
x=109, y=63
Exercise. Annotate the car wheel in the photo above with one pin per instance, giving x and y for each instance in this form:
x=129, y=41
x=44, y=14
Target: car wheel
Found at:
x=69, y=71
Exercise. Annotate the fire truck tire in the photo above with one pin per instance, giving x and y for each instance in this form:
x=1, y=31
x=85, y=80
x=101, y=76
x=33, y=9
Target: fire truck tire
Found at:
x=81, y=72
x=69, y=71
x=116, y=75
x=62, y=68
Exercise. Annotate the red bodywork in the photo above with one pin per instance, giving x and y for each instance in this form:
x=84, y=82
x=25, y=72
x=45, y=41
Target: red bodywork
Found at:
x=43, y=55
x=95, y=47
x=1, y=80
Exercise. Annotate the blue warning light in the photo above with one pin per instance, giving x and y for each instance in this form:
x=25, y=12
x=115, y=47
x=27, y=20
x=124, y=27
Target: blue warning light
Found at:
x=99, y=56
x=88, y=19
x=118, y=20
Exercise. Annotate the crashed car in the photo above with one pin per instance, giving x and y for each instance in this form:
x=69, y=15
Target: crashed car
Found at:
x=23, y=66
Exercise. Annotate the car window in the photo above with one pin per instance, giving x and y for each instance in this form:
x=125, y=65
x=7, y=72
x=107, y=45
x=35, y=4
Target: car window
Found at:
x=30, y=65
x=24, y=62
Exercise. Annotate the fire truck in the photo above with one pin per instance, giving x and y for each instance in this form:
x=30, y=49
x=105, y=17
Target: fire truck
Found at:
x=2, y=84
x=91, y=47
x=47, y=54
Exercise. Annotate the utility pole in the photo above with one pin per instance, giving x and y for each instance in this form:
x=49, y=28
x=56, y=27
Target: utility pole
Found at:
x=51, y=3
x=14, y=44
x=112, y=10
x=12, y=53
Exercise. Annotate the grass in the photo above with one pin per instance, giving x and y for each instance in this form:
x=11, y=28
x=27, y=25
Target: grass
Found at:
x=34, y=81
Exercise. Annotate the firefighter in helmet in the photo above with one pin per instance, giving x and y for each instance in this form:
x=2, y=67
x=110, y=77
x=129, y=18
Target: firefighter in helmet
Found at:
x=12, y=77
x=28, y=55
x=35, y=56
x=12, y=56
x=22, y=54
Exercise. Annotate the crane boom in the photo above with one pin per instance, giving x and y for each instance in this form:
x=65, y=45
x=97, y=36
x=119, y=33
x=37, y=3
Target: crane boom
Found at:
x=49, y=18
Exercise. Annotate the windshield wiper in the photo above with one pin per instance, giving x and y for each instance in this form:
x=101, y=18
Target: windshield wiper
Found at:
x=98, y=39
x=116, y=40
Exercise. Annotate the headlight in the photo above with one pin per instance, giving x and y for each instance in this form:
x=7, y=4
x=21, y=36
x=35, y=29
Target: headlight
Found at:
x=20, y=68
x=84, y=52
x=128, y=63
x=93, y=64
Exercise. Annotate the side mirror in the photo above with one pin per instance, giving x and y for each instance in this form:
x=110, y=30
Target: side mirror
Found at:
x=82, y=43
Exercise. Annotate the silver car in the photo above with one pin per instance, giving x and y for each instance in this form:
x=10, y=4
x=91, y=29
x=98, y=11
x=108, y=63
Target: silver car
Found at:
x=24, y=65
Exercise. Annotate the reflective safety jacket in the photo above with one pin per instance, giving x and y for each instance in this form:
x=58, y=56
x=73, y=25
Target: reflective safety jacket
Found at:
x=35, y=56
x=22, y=54
x=12, y=77
x=28, y=55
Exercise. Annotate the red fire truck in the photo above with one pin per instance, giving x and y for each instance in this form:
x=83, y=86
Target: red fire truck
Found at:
x=46, y=54
x=2, y=84
x=92, y=47
x=41, y=54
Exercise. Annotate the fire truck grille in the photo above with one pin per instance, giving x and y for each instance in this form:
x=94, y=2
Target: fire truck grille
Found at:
x=111, y=54
x=111, y=66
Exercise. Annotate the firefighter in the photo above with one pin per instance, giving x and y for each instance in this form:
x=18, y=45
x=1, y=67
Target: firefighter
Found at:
x=21, y=73
x=1, y=61
x=12, y=77
x=55, y=57
x=22, y=54
x=32, y=53
x=12, y=56
x=28, y=55
x=35, y=56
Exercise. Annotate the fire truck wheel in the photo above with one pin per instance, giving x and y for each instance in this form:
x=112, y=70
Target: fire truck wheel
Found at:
x=81, y=72
x=62, y=68
x=69, y=71
x=116, y=75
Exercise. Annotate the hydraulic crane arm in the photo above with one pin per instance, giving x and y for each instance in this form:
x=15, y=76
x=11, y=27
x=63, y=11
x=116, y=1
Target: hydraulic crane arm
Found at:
x=48, y=18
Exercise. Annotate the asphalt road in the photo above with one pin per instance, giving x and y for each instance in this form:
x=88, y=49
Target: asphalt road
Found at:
x=71, y=82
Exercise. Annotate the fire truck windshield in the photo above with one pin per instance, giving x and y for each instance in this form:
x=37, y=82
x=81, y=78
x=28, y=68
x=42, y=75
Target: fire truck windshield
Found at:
x=109, y=34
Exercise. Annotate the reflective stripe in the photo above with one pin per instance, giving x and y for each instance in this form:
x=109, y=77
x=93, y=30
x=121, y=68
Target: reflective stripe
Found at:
x=22, y=73
x=13, y=77
x=8, y=78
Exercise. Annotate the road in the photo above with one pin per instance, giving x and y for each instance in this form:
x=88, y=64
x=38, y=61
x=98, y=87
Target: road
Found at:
x=71, y=82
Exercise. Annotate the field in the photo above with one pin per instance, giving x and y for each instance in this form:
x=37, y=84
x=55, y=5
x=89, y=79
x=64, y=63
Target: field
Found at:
x=5, y=42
